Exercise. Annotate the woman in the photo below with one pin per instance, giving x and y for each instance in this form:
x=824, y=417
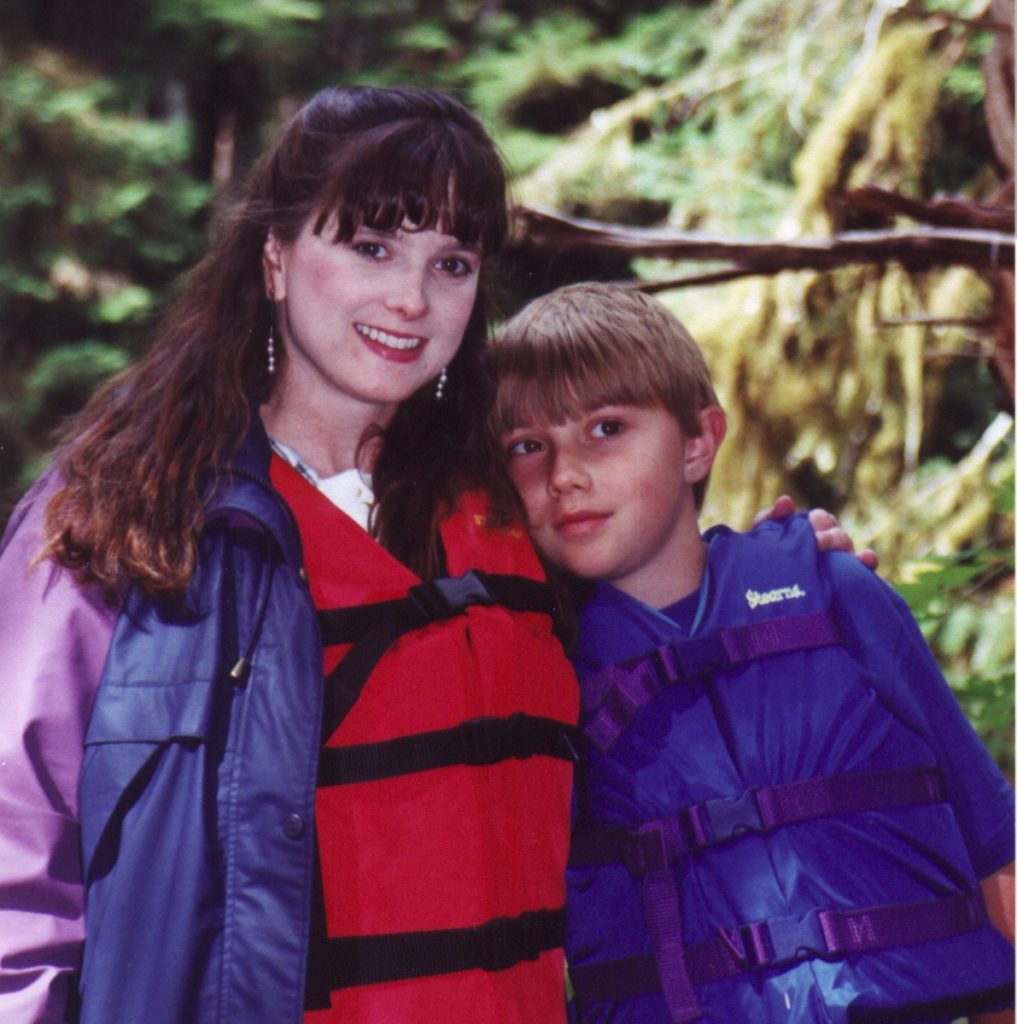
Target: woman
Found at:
x=170, y=576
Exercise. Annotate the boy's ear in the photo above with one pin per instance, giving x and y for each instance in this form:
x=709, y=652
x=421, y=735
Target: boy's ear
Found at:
x=272, y=264
x=702, y=450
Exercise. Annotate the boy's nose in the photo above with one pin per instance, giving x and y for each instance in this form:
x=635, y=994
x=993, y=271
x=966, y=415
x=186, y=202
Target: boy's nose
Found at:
x=568, y=473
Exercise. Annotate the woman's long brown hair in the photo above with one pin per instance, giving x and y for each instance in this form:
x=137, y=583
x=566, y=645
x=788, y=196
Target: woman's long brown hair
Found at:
x=140, y=459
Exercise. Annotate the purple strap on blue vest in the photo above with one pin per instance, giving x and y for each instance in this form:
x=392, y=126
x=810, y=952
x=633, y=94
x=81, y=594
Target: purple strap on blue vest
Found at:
x=650, y=851
x=723, y=819
x=614, y=696
x=663, y=915
x=784, y=941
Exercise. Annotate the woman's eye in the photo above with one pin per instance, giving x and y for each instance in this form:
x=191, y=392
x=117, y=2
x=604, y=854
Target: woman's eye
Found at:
x=456, y=266
x=372, y=250
x=607, y=428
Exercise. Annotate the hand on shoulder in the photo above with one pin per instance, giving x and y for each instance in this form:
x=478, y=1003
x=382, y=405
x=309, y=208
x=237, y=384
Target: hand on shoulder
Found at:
x=830, y=535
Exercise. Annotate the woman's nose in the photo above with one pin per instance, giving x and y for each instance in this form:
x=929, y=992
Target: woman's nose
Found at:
x=408, y=296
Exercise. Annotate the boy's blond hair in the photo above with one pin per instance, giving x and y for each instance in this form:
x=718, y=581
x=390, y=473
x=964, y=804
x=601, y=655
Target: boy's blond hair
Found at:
x=589, y=345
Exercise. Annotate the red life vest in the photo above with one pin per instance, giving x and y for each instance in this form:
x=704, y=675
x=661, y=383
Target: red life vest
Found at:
x=425, y=862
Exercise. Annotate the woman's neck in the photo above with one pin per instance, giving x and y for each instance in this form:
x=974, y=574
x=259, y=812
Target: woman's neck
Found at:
x=328, y=442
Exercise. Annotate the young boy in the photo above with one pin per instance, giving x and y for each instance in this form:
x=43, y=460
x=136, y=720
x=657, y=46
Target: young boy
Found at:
x=782, y=814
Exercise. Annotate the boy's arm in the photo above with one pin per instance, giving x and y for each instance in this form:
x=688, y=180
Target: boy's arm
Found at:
x=881, y=634
x=998, y=890
x=880, y=631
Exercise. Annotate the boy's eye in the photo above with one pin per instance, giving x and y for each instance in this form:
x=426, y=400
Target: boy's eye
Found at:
x=524, y=446
x=607, y=428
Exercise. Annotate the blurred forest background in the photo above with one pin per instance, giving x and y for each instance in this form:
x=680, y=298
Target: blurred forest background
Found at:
x=821, y=189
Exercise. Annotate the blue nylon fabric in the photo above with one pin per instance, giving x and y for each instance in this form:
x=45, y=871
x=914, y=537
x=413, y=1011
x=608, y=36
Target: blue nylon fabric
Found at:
x=784, y=718
x=198, y=887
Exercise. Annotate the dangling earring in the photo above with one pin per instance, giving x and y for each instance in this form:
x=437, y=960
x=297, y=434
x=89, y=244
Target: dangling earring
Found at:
x=439, y=391
x=270, y=343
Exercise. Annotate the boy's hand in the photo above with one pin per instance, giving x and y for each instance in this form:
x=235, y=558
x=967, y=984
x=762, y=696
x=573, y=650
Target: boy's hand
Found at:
x=829, y=535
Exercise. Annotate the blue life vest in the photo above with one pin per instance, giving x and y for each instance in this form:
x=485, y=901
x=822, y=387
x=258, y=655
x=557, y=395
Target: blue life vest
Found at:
x=759, y=836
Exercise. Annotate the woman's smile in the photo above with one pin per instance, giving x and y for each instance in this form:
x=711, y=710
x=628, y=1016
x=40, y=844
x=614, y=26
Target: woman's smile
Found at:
x=390, y=345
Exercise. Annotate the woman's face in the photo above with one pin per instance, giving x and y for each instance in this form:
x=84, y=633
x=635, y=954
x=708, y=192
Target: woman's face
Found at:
x=365, y=323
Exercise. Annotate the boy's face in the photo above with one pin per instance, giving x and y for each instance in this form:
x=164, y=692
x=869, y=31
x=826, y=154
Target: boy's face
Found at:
x=609, y=496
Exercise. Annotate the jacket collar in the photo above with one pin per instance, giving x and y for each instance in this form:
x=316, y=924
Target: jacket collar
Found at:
x=246, y=490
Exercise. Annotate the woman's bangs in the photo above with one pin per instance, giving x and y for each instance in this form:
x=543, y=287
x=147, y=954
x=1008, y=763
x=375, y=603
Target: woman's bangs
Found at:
x=430, y=179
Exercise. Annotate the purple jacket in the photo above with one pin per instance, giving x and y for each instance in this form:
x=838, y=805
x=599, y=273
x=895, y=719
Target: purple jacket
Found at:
x=54, y=637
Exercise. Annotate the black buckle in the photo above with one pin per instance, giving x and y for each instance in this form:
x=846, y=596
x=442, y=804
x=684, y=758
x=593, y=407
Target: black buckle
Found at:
x=647, y=850
x=450, y=595
x=797, y=938
x=779, y=940
x=725, y=817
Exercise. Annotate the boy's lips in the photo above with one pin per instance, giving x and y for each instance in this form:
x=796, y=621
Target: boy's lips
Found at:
x=578, y=524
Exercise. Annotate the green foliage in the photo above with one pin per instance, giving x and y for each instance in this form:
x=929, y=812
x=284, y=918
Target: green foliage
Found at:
x=95, y=207
x=968, y=621
x=64, y=379
x=652, y=112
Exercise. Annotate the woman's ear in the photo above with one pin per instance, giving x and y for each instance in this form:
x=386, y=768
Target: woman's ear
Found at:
x=273, y=263
x=702, y=450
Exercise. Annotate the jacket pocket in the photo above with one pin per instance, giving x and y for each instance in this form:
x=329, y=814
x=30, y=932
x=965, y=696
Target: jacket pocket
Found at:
x=130, y=729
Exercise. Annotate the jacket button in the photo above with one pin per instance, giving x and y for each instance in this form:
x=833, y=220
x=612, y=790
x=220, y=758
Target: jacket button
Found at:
x=302, y=573
x=293, y=826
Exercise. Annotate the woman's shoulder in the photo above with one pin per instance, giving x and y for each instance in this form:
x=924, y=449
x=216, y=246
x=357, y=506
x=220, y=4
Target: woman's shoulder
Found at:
x=27, y=522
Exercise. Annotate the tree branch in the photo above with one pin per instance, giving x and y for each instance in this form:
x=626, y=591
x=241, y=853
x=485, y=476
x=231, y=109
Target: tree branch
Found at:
x=916, y=249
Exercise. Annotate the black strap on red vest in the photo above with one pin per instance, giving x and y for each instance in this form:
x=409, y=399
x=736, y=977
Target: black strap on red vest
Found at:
x=495, y=945
x=373, y=628
x=344, y=961
x=479, y=741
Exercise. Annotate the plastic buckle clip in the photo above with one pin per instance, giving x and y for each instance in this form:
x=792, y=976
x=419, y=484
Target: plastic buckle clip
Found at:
x=647, y=850
x=797, y=938
x=727, y=817
x=450, y=595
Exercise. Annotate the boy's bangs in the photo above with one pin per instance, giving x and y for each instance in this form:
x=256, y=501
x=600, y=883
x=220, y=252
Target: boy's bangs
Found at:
x=553, y=390
x=424, y=175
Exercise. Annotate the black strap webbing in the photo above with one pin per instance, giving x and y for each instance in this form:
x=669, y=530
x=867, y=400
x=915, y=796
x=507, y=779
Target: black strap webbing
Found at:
x=373, y=628
x=434, y=600
x=480, y=741
x=493, y=946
